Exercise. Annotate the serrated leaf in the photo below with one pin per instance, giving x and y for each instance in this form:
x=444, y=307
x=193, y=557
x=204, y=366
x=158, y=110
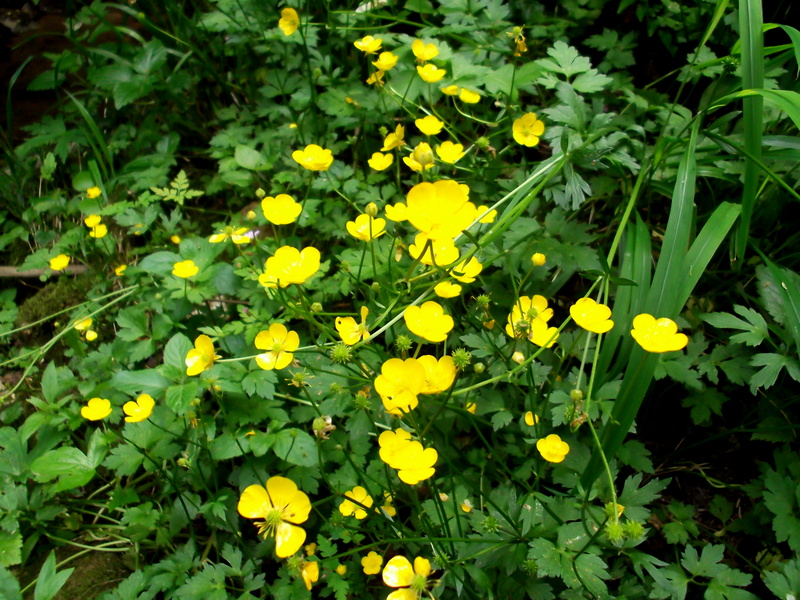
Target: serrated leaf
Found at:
x=781, y=498
x=771, y=364
x=501, y=419
x=565, y=60
x=9, y=587
x=705, y=564
x=10, y=549
x=547, y=557
x=297, y=447
x=590, y=82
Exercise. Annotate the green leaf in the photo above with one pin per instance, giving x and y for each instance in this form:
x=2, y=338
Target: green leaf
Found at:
x=297, y=447
x=249, y=158
x=501, y=418
x=547, y=557
x=148, y=381
x=781, y=498
x=176, y=350
x=772, y=364
x=48, y=583
x=754, y=325
x=565, y=60
x=784, y=582
x=10, y=547
x=160, y=263
x=9, y=587
x=705, y=564
x=179, y=398
x=67, y=463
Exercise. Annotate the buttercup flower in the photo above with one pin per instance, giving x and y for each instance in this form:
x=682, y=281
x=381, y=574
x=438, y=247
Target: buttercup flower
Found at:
x=139, y=410
x=83, y=324
x=394, y=140
x=658, y=335
x=447, y=289
x=236, y=235
x=376, y=78
x=362, y=499
x=352, y=332
x=282, y=508
x=380, y=161
x=531, y=419
x=386, y=60
x=413, y=462
x=279, y=343
x=372, y=563
x=93, y=192
x=424, y=52
x=591, y=315
x=428, y=321
x=289, y=265
x=398, y=574
x=175, y=239
x=96, y=409
x=431, y=73
x=368, y=44
x=201, y=357
x=91, y=336
x=341, y=570
x=120, y=270
x=310, y=549
x=97, y=229
x=313, y=158
x=450, y=90
x=467, y=272
x=280, y=210
x=289, y=21
x=440, y=251
x=185, y=269
x=468, y=96
x=525, y=311
x=421, y=158
x=538, y=259
x=439, y=374
x=449, y=152
x=366, y=228
x=527, y=130
x=60, y=262
x=552, y=448
x=440, y=209
x=310, y=573
x=488, y=217
x=430, y=125
x=396, y=212
x=399, y=383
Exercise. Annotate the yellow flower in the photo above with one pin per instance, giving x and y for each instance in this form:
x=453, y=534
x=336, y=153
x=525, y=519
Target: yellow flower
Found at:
x=310, y=549
x=201, y=357
x=447, y=289
x=93, y=192
x=310, y=573
x=430, y=125
x=376, y=78
x=413, y=462
x=396, y=213
x=280, y=210
x=83, y=324
x=279, y=343
x=440, y=209
x=469, y=96
x=424, y=52
x=371, y=563
x=380, y=161
x=387, y=505
x=98, y=230
x=352, y=332
x=552, y=448
x=368, y=44
x=439, y=374
x=120, y=270
x=538, y=259
x=175, y=239
x=449, y=152
x=236, y=235
x=96, y=409
x=441, y=252
x=60, y=262
x=366, y=228
x=341, y=570
x=527, y=130
x=489, y=216
x=398, y=574
x=471, y=407
x=139, y=410
x=289, y=21
x=531, y=419
x=526, y=310
x=466, y=273
x=289, y=265
x=399, y=384
x=91, y=336
x=394, y=140
x=451, y=90
x=431, y=73
x=356, y=500
x=421, y=158
x=282, y=507
x=314, y=158
x=591, y=315
x=466, y=506
x=185, y=269
x=657, y=335
x=386, y=60
x=428, y=321
x=518, y=357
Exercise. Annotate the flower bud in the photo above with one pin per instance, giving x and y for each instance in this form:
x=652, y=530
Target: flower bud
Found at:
x=251, y=215
x=461, y=358
x=403, y=343
x=376, y=287
x=371, y=210
x=479, y=368
x=614, y=532
x=260, y=194
x=423, y=154
x=316, y=307
x=538, y=259
x=482, y=142
x=518, y=357
x=576, y=396
x=633, y=530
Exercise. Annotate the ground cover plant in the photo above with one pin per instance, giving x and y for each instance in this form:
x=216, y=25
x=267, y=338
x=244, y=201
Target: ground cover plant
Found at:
x=403, y=300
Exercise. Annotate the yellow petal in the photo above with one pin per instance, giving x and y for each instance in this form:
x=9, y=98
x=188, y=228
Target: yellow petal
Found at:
x=398, y=572
x=288, y=539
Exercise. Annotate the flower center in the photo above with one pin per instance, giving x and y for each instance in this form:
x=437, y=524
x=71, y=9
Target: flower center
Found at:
x=532, y=314
x=277, y=348
x=418, y=584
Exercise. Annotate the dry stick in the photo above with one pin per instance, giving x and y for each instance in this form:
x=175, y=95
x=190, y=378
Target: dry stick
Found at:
x=15, y=272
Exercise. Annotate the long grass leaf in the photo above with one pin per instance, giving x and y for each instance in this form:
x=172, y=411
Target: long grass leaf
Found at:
x=99, y=145
x=751, y=23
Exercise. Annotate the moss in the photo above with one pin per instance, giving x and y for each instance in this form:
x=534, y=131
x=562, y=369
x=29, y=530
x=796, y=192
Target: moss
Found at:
x=52, y=298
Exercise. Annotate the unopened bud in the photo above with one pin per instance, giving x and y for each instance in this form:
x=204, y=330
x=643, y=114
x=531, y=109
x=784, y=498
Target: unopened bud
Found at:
x=260, y=194
x=518, y=357
x=316, y=307
x=371, y=210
